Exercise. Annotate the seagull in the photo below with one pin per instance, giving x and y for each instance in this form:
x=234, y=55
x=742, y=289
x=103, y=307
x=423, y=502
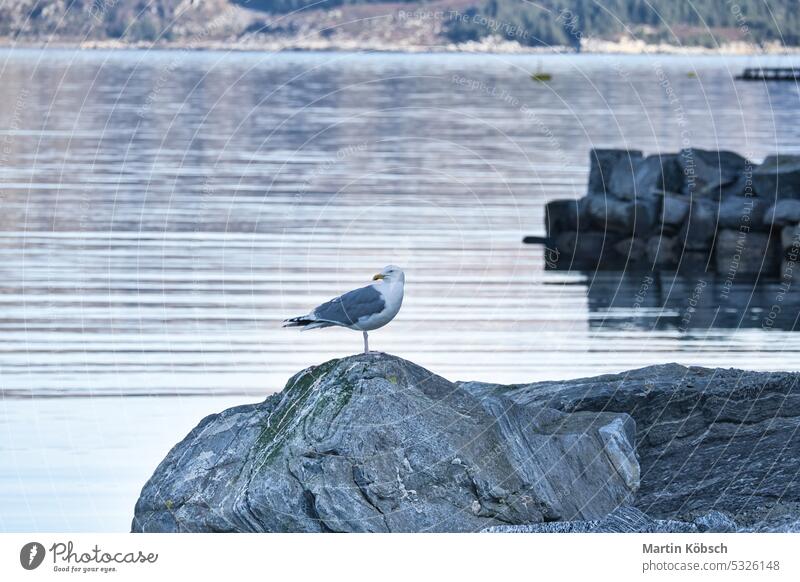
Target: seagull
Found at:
x=361, y=309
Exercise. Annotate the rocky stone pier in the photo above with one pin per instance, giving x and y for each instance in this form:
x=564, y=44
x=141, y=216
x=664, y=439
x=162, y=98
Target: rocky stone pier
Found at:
x=374, y=443
x=696, y=210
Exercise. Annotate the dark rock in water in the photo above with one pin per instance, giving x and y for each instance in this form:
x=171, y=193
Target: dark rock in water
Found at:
x=626, y=217
x=742, y=187
x=782, y=213
x=778, y=178
x=745, y=254
x=654, y=174
x=707, y=172
x=612, y=171
x=627, y=175
x=789, y=270
x=743, y=212
x=690, y=197
x=626, y=520
x=633, y=250
x=663, y=251
x=562, y=216
x=586, y=250
x=646, y=215
x=674, y=211
x=707, y=439
x=695, y=262
x=697, y=233
x=790, y=241
x=375, y=443
x=606, y=213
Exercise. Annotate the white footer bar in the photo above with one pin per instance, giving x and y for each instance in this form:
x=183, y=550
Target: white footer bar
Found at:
x=401, y=557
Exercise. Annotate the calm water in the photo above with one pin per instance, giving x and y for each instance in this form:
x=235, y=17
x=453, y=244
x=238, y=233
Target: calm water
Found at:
x=162, y=212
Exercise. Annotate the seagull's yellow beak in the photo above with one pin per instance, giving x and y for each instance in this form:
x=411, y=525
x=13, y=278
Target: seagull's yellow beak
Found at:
x=378, y=277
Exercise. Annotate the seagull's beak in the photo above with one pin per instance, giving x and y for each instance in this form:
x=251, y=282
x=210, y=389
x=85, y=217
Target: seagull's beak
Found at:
x=378, y=277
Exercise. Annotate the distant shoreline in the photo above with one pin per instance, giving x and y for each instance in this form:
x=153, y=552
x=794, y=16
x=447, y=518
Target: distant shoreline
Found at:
x=487, y=46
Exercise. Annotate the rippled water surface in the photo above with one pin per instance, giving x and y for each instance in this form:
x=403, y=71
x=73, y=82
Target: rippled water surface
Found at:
x=162, y=212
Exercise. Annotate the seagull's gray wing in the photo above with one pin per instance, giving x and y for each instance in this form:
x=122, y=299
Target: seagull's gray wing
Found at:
x=347, y=309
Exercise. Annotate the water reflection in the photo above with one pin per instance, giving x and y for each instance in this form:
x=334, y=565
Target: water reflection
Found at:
x=687, y=303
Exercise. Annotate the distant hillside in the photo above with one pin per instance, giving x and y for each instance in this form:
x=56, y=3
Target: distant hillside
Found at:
x=412, y=24
x=133, y=20
x=699, y=22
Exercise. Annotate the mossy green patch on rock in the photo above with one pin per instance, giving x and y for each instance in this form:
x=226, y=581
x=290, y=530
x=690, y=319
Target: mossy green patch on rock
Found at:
x=279, y=424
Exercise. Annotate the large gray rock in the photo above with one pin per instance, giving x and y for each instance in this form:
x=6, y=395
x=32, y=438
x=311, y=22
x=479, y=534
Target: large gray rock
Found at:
x=664, y=251
x=674, y=211
x=626, y=217
x=633, y=250
x=707, y=439
x=376, y=443
x=669, y=252
x=699, y=227
x=654, y=174
x=742, y=186
x=743, y=211
x=707, y=173
x=778, y=177
x=562, y=216
x=790, y=241
x=611, y=171
x=626, y=174
x=782, y=213
x=585, y=250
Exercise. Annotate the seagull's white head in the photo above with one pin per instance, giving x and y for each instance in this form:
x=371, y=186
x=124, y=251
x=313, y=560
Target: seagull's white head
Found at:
x=391, y=274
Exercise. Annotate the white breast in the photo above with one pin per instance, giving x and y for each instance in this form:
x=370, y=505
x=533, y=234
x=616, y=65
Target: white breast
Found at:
x=393, y=297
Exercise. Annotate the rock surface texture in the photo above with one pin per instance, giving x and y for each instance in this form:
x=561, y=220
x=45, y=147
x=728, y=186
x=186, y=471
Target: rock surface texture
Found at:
x=376, y=443
x=678, y=212
x=707, y=439
x=626, y=520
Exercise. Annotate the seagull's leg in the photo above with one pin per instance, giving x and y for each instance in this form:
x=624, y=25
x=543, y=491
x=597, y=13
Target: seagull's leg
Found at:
x=366, y=343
